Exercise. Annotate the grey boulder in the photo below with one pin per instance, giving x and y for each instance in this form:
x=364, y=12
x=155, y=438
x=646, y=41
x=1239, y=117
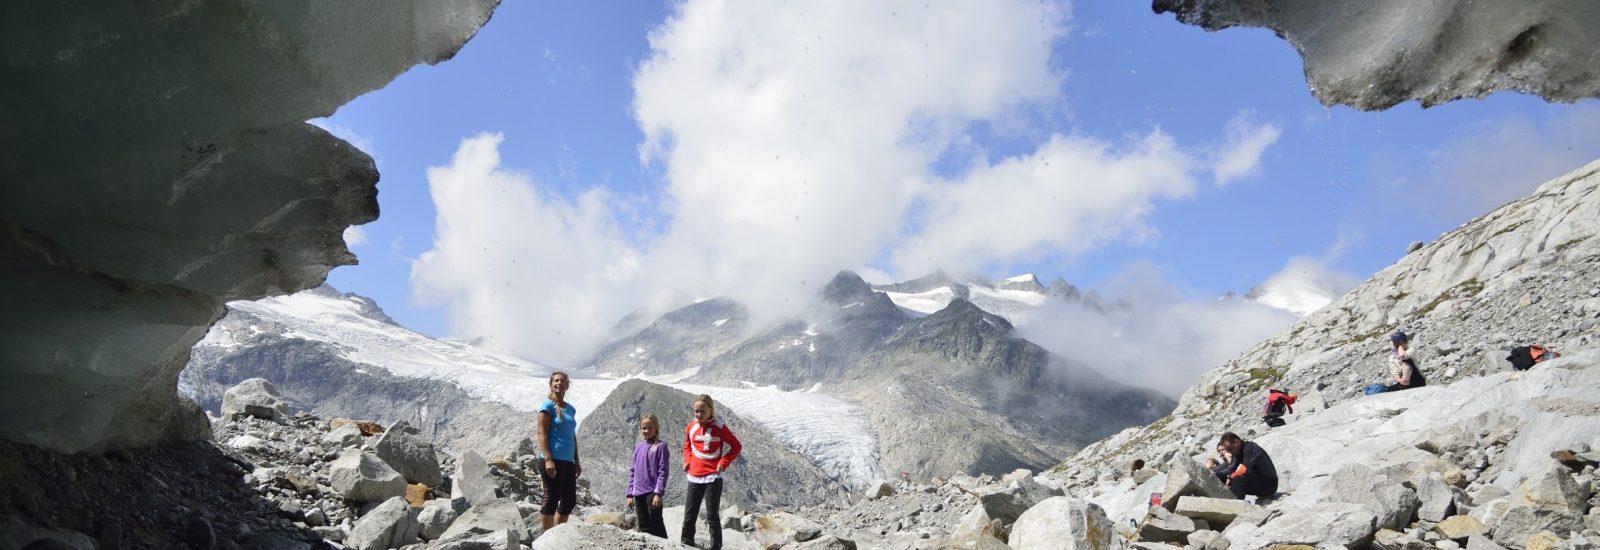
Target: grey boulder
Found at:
x=254, y=397
x=410, y=455
x=391, y=525
x=1323, y=525
x=1218, y=512
x=435, y=518
x=1164, y=526
x=363, y=477
x=1007, y=502
x=1065, y=523
x=1388, y=499
x=472, y=480
x=498, y=518
x=1186, y=477
x=346, y=435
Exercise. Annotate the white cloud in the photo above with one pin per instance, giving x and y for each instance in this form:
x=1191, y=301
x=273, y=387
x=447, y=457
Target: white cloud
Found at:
x=354, y=236
x=1503, y=160
x=1071, y=195
x=1165, y=337
x=537, y=274
x=796, y=139
x=1240, y=156
x=795, y=135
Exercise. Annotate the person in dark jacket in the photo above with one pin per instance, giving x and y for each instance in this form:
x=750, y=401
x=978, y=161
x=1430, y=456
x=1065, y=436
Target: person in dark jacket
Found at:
x=1253, y=472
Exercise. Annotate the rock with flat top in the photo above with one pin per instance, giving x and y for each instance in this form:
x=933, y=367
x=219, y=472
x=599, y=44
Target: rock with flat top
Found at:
x=1186, y=477
x=254, y=397
x=1219, y=512
x=363, y=477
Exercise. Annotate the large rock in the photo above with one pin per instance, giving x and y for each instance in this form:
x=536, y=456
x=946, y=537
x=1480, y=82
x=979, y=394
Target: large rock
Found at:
x=1436, y=498
x=1322, y=525
x=1186, y=477
x=435, y=518
x=1006, y=502
x=1547, y=501
x=1357, y=54
x=1064, y=523
x=476, y=538
x=410, y=455
x=497, y=517
x=1388, y=539
x=1552, y=488
x=1164, y=526
x=203, y=184
x=588, y=536
x=363, y=477
x=1218, y=512
x=348, y=435
x=254, y=397
x=779, y=528
x=976, y=530
x=1460, y=528
x=472, y=481
x=391, y=525
x=1388, y=499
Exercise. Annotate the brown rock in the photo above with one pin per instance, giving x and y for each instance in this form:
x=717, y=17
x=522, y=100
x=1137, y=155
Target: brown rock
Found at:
x=1458, y=528
x=416, y=494
x=1543, y=540
x=367, y=427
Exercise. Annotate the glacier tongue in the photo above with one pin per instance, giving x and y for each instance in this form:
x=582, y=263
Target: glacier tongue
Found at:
x=156, y=163
x=1374, y=54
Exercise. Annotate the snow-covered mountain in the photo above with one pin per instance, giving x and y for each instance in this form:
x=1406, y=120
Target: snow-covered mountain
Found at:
x=339, y=355
x=944, y=390
x=1013, y=298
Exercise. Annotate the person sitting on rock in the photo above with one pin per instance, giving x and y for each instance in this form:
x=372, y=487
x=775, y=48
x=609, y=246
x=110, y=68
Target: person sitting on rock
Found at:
x=1253, y=472
x=1221, y=468
x=1403, y=364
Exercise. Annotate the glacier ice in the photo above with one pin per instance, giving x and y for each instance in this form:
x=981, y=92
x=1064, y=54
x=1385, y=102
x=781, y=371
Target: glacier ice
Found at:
x=1374, y=54
x=154, y=164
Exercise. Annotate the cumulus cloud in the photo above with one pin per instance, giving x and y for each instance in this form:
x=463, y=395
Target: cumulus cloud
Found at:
x=1502, y=160
x=794, y=140
x=1070, y=195
x=1162, y=336
x=525, y=270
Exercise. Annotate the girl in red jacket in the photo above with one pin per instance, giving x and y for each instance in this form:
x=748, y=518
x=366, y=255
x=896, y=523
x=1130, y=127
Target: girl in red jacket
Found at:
x=709, y=447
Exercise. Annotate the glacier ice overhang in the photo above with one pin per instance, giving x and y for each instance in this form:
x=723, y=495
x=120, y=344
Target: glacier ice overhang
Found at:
x=1374, y=54
x=155, y=163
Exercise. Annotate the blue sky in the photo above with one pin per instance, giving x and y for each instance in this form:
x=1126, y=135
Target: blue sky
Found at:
x=627, y=146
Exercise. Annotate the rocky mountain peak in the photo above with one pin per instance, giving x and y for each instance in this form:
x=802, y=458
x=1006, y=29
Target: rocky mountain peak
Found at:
x=847, y=287
x=1027, y=282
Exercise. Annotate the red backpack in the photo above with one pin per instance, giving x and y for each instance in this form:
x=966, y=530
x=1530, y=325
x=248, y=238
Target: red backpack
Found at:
x=1279, y=402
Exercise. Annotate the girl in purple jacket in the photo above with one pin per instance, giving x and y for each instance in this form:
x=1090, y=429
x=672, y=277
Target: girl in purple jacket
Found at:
x=647, y=477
